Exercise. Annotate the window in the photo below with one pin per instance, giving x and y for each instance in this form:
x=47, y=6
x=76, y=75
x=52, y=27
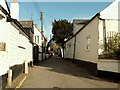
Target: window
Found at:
x=88, y=43
x=35, y=39
x=38, y=39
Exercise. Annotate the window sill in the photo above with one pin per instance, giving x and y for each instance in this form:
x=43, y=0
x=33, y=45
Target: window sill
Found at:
x=87, y=50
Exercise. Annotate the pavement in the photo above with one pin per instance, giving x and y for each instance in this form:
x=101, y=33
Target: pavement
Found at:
x=57, y=73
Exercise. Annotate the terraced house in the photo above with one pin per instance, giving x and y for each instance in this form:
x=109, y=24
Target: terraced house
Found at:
x=16, y=44
x=91, y=38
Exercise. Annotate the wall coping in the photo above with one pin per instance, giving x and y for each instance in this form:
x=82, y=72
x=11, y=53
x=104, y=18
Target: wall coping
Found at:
x=108, y=60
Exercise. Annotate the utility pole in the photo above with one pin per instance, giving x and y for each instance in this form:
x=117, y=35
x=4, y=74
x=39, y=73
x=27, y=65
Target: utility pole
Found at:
x=31, y=16
x=41, y=20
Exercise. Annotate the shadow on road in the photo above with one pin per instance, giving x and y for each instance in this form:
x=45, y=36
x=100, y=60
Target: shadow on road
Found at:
x=60, y=65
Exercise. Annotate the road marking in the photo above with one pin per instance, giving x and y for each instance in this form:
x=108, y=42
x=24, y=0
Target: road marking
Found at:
x=20, y=84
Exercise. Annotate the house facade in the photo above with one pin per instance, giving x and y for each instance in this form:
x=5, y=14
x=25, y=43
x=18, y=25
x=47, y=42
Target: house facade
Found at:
x=37, y=45
x=15, y=47
x=89, y=41
x=37, y=36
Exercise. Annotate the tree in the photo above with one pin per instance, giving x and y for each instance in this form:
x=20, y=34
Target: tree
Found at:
x=62, y=29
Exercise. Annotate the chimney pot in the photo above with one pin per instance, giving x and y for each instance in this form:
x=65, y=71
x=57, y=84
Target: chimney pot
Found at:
x=14, y=1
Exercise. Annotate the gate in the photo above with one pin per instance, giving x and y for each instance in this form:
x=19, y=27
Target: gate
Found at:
x=35, y=54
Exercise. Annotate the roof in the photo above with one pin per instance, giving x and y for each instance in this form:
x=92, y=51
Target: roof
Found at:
x=37, y=27
x=111, y=11
x=27, y=24
x=80, y=21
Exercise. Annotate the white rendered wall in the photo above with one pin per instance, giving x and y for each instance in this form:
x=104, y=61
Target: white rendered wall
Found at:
x=3, y=54
x=37, y=33
x=111, y=26
x=13, y=55
x=111, y=12
x=109, y=65
x=3, y=4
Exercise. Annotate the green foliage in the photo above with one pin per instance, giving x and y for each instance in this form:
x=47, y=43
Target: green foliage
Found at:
x=61, y=29
x=113, y=48
x=113, y=43
x=117, y=52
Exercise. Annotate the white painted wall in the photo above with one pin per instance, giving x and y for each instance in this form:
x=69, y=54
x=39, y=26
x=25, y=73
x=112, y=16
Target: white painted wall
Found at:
x=3, y=54
x=16, y=54
x=109, y=65
x=111, y=12
x=13, y=54
x=3, y=63
x=37, y=33
x=111, y=26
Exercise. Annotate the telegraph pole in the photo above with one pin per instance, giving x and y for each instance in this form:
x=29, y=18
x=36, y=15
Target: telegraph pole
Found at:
x=41, y=20
x=31, y=16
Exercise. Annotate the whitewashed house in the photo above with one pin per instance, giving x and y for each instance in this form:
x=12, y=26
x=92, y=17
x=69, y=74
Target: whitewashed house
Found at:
x=15, y=45
x=37, y=44
x=39, y=52
x=37, y=36
x=88, y=42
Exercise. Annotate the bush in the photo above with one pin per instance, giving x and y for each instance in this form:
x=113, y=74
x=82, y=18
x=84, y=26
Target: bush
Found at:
x=112, y=48
x=117, y=53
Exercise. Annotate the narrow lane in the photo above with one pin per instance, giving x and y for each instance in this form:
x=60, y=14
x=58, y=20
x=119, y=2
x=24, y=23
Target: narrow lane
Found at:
x=58, y=73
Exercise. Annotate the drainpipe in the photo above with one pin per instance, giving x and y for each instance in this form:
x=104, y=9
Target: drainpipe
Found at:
x=74, y=49
x=104, y=34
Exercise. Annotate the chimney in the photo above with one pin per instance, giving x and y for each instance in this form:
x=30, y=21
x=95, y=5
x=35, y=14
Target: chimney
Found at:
x=14, y=10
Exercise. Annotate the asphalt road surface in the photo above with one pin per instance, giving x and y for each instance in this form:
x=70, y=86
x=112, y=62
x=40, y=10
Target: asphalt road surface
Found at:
x=58, y=73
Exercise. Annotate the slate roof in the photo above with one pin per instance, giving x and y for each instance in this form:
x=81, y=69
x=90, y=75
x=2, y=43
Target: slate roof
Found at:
x=27, y=24
x=80, y=21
